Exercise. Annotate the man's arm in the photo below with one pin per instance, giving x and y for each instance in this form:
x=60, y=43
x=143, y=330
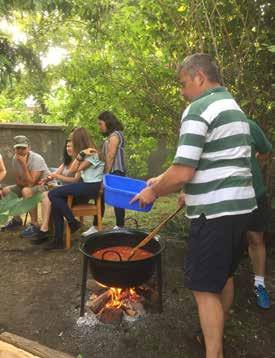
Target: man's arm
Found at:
x=29, y=178
x=262, y=145
x=170, y=181
x=3, y=171
x=173, y=179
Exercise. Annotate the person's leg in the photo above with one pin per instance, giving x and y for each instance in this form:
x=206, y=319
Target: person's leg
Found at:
x=58, y=197
x=211, y=316
x=227, y=297
x=27, y=193
x=46, y=212
x=119, y=213
x=120, y=217
x=257, y=253
x=6, y=190
x=58, y=220
x=256, y=227
x=208, y=264
x=93, y=229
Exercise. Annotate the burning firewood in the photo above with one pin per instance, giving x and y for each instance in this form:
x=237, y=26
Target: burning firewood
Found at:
x=130, y=312
x=111, y=315
x=97, y=303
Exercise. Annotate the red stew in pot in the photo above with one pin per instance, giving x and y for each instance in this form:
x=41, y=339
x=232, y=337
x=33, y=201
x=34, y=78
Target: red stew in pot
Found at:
x=114, y=253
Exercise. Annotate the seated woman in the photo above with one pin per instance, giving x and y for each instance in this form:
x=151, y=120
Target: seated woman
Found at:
x=91, y=170
x=3, y=173
x=63, y=176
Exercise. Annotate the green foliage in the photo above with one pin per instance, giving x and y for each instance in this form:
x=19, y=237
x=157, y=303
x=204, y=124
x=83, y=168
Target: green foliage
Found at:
x=123, y=55
x=11, y=205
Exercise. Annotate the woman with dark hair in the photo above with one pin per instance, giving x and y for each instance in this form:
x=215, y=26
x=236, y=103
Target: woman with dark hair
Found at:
x=63, y=176
x=114, y=157
x=88, y=165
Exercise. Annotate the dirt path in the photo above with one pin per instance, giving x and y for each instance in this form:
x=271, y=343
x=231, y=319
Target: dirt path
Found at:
x=39, y=300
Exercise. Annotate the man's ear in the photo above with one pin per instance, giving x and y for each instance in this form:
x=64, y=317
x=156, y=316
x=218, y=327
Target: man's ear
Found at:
x=200, y=77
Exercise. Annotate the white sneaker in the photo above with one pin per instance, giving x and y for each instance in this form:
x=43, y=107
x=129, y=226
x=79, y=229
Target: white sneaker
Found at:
x=90, y=231
x=117, y=228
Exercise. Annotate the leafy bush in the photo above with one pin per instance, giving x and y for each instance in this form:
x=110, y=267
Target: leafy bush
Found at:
x=12, y=205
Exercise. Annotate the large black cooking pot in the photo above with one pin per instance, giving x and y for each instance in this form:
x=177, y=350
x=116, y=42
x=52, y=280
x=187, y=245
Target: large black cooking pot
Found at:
x=122, y=274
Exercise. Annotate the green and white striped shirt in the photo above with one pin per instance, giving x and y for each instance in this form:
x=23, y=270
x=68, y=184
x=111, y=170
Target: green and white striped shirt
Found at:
x=215, y=139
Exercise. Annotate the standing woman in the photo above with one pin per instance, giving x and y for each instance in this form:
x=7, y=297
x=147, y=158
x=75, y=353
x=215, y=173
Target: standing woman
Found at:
x=91, y=170
x=114, y=156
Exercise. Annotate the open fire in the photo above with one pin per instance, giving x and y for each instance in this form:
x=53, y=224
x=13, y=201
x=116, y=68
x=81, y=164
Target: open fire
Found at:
x=112, y=305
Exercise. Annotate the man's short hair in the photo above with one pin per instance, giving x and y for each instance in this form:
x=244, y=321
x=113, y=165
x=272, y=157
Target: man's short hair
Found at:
x=203, y=62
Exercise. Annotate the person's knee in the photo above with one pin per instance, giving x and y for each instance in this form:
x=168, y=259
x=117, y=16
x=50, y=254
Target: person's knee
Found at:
x=27, y=192
x=204, y=297
x=256, y=240
x=51, y=195
x=6, y=190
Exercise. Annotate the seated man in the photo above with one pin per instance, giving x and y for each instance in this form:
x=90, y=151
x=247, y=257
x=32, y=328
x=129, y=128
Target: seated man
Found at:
x=29, y=168
x=3, y=173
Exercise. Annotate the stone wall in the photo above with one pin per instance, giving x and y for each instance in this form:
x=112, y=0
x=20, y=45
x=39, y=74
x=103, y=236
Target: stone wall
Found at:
x=47, y=140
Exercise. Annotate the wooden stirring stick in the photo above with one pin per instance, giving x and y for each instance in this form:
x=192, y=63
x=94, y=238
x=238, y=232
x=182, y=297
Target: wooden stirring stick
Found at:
x=153, y=233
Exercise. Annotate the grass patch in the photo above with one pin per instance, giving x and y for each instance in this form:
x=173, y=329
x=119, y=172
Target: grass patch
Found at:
x=164, y=206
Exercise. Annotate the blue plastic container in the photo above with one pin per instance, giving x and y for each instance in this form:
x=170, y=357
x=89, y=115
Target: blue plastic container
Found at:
x=119, y=191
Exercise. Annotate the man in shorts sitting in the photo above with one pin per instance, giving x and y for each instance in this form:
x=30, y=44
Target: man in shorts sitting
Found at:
x=29, y=168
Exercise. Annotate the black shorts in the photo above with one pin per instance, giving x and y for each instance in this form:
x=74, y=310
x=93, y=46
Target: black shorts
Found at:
x=259, y=219
x=214, y=250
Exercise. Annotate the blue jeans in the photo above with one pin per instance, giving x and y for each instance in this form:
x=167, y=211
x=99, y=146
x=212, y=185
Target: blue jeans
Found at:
x=58, y=197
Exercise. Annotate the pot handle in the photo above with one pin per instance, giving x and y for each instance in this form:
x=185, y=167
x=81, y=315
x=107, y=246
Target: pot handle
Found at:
x=113, y=251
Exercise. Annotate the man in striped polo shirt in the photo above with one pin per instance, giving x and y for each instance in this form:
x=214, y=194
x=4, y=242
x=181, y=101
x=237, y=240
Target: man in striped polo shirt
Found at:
x=213, y=163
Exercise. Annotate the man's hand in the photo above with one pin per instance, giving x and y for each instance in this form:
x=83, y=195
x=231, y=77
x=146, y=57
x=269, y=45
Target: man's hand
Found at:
x=54, y=176
x=145, y=197
x=181, y=200
x=152, y=181
x=21, y=159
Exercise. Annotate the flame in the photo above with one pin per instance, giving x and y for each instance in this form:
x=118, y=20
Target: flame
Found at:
x=116, y=300
x=119, y=295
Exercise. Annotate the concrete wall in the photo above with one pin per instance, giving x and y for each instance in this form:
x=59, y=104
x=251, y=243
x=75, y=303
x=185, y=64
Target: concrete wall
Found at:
x=47, y=140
